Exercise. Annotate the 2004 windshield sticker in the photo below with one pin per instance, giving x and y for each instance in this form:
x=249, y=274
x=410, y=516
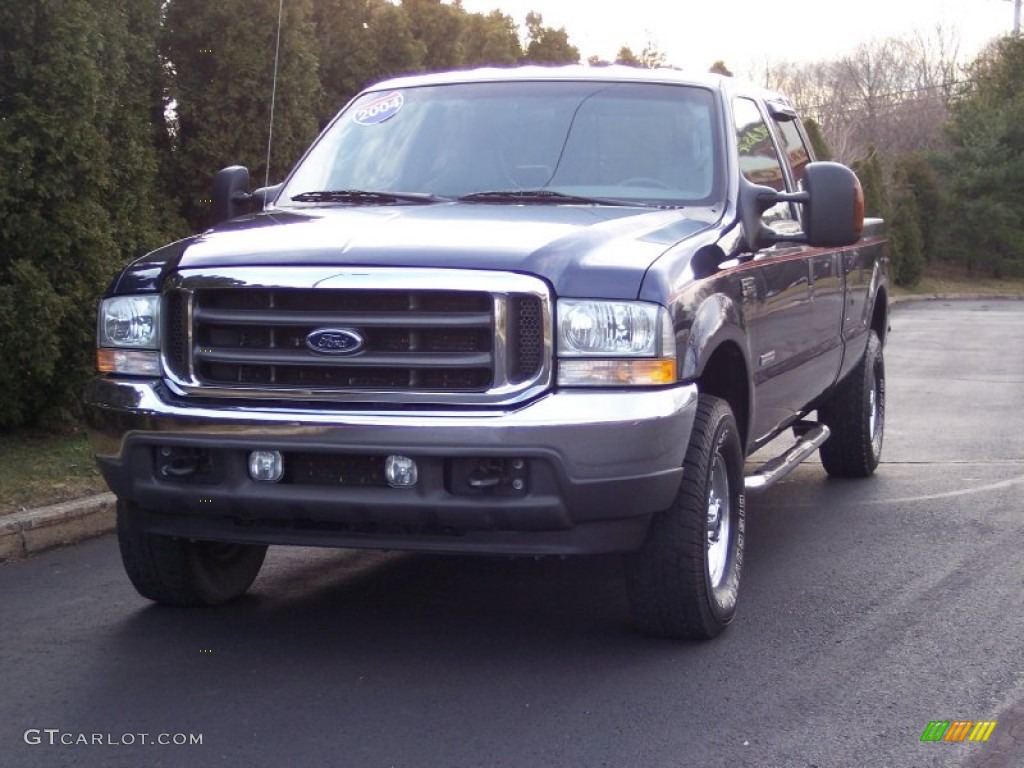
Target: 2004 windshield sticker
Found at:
x=380, y=109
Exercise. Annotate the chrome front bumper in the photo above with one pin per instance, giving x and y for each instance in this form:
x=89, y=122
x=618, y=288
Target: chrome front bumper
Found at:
x=600, y=463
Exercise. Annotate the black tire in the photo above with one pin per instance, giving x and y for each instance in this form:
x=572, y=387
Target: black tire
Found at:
x=684, y=580
x=184, y=572
x=855, y=414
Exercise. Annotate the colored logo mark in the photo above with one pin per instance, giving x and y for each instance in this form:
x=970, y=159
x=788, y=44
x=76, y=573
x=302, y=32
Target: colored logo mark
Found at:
x=335, y=341
x=958, y=730
x=380, y=109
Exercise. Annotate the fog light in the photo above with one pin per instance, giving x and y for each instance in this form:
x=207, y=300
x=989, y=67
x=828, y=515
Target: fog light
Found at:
x=266, y=466
x=400, y=471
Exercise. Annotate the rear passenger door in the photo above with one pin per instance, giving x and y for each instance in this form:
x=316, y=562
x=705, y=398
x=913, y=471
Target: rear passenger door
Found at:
x=826, y=274
x=789, y=370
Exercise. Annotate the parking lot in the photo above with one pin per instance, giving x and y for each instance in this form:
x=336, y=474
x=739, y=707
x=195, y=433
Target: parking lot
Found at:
x=869, y=609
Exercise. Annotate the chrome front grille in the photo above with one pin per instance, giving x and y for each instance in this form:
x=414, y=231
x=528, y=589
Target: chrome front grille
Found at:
x=417, y=335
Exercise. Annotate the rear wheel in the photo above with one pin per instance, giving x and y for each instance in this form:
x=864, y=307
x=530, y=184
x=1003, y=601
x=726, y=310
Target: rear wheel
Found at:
x=684, y=580
x=855, y=414
x=184, y=572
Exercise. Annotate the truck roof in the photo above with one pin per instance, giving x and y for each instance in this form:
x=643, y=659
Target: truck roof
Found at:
x=581, y=73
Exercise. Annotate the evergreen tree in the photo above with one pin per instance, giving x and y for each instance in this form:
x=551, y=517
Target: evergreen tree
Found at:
x=905, y=234
x=57, y=244
x=222, y=59
x=896, y=203
x=360, y=42
x=923, y=183
x=139, y=200
x=438, y=28
x=818, y=143
x=876, y=199
x=626, y=57
x=491, y=40
x=985, y=168
x=547, y=45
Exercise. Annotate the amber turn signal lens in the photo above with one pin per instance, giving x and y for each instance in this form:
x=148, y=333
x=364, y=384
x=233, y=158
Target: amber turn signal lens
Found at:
x=130, y=361
x=617, y=373
x=858, y=207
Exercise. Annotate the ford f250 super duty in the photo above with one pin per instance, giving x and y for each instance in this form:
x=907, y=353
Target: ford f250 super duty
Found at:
x=537, y=311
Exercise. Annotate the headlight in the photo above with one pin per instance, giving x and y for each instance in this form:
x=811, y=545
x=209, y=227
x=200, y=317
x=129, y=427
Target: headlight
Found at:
x=130, y=321
x=128, y=335
x=614, y=343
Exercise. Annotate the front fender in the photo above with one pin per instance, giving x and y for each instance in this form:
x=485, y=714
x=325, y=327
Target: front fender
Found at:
x=718, y=320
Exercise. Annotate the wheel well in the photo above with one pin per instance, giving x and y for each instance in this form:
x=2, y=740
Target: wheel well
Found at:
x=725, y=376
x=880, y=316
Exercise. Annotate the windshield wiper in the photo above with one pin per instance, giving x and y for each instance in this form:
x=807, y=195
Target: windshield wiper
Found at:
x=538, y=196
x=363, y=197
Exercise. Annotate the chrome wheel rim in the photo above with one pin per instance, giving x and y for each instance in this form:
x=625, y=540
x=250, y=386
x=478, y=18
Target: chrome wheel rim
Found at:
x=876, y=403
x=873, y=412
x=719, y=521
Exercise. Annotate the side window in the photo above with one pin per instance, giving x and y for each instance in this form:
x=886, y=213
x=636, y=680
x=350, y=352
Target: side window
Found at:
x=759, y=160
x=793, y=147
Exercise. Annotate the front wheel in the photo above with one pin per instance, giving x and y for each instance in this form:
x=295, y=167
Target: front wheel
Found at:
x=684, y=580
x=184, y=572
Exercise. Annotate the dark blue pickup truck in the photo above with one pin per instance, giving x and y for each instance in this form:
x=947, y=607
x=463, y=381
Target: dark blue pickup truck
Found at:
x=537, y=311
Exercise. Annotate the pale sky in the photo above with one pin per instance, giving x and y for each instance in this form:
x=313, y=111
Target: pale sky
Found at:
x=746, y=33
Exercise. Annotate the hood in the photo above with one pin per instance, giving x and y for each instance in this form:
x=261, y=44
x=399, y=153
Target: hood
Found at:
x=585, y=251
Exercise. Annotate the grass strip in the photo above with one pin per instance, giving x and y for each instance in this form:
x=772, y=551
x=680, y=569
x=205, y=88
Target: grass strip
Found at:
x=38, y=468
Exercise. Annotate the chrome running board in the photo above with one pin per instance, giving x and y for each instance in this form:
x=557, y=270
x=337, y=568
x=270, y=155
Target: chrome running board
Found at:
x=812, y=435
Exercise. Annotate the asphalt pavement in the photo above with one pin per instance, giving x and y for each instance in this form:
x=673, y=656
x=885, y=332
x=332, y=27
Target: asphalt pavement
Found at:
x=869, y=609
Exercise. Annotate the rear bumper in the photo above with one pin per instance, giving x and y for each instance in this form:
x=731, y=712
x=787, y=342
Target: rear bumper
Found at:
x=597, y=465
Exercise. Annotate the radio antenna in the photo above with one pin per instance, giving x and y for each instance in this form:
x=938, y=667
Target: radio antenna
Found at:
x=273, y=96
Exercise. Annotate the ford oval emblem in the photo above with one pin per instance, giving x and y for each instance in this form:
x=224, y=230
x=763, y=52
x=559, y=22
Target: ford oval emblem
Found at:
x=334, y=341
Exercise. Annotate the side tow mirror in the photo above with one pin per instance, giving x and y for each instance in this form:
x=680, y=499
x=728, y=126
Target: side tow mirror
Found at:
x=230, y=193
x=834, y=209
x=754, y=200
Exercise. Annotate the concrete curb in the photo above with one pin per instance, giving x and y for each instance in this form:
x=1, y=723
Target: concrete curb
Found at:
x=954, y=297
x=36, y=530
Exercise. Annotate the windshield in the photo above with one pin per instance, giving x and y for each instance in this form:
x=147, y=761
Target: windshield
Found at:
x=652, y=144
